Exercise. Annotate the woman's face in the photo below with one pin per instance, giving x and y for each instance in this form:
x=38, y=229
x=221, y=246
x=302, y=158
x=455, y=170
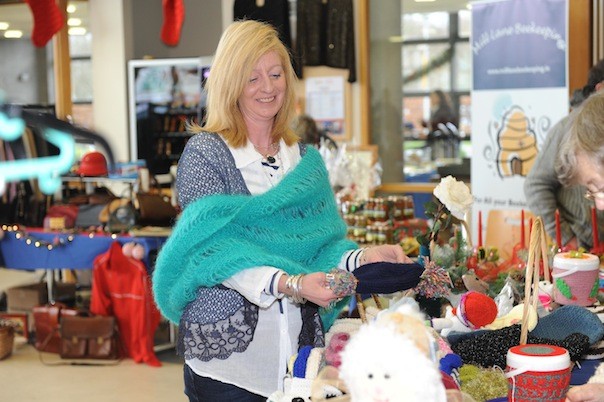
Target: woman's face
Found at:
x=263, y=94
x=591, y=175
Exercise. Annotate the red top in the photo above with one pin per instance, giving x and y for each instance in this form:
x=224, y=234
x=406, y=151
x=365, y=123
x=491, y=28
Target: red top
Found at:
x=121, y=287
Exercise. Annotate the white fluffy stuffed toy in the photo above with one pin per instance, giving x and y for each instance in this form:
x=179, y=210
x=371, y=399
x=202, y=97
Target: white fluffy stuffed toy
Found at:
x=381, y=362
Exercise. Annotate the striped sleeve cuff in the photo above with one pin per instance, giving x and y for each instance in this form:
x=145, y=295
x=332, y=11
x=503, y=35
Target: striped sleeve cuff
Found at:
x=351, y=260
x=272, y=286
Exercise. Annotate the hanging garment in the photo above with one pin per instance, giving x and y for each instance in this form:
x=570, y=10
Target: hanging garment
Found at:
x=121, y=287
x=274, y=12
x=325, y=35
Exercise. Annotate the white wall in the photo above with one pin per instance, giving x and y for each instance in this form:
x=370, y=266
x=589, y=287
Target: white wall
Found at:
x=109, y=79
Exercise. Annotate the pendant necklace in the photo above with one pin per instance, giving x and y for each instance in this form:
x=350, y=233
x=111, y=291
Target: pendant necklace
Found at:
x=273, y=170
x=272, y=148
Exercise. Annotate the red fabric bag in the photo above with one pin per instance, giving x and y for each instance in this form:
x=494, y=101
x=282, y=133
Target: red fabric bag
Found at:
x=60, y=217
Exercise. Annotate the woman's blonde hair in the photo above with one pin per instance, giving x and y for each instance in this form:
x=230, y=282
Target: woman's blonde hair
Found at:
x=239, y=49
x=586, y=137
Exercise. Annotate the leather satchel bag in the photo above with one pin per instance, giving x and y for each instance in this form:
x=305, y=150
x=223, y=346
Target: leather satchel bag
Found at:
x=46, y=321
x=155, y=210
x=88, y=337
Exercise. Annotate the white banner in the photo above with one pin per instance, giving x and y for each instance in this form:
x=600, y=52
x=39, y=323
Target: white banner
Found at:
x=519, y=92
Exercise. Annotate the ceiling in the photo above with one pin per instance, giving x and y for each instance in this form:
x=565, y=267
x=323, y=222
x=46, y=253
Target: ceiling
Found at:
x=19, y=15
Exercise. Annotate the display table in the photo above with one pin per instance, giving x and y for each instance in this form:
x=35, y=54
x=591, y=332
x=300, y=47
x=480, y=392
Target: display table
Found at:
x=69, y=251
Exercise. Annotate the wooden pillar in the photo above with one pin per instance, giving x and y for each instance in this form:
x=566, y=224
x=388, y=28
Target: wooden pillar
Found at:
x=365, y=101
x=579, y=43
x=62, y=68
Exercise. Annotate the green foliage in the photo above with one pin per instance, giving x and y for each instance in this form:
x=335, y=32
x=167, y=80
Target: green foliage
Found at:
x=441, y=219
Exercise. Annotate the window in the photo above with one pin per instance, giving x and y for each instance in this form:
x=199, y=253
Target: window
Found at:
x=415, y=47
x=419, y=26
x=80, y=50
x=435, y=55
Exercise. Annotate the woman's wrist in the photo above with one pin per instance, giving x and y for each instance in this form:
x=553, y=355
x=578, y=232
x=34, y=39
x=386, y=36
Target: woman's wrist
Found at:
x=291, y=285
x=363, y=256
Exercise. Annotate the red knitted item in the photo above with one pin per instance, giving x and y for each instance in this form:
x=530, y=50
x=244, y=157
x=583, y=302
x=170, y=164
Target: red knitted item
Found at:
x=174, y=16
x=48, y=20
x=476, y=310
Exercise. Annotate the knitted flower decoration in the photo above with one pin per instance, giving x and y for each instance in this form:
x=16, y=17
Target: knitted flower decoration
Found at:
x=453, y=200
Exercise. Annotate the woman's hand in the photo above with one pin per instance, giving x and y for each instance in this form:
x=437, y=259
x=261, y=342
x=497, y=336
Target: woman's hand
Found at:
x=313, y=287
x=315, y=290
x=385, y=253
x=591, y=392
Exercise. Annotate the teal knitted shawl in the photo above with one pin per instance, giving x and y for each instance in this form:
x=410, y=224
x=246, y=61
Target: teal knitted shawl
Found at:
x=294, y=226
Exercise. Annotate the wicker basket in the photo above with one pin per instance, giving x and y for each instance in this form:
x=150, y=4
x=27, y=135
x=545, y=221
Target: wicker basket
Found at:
x=7, y=339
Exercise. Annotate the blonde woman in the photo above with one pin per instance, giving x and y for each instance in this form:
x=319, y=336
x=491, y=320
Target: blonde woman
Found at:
x=244, y=270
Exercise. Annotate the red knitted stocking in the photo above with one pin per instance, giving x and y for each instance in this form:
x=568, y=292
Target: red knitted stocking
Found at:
x=48, y=20
x=174, y=15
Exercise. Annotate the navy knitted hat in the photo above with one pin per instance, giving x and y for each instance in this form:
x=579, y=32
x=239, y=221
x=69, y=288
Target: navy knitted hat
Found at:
x=387, y=277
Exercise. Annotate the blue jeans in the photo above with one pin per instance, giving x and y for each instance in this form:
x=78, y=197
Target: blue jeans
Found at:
x=204, y=389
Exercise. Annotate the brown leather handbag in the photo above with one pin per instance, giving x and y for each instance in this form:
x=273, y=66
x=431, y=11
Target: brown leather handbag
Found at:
x=155, y=210
x=88, y=337
x=46, y=321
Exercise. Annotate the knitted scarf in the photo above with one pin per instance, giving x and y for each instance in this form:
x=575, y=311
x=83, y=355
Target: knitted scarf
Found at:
x=294, y=226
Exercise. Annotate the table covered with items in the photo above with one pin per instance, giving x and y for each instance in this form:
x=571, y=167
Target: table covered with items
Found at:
x=467, y=325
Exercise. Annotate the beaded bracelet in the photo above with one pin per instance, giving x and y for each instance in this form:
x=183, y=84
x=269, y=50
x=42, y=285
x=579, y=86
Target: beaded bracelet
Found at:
x=294, y=283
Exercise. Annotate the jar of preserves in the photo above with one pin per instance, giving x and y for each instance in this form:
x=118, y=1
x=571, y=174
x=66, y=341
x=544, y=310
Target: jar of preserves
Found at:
x=381, y=210
x=409, y=207
x=369, y=208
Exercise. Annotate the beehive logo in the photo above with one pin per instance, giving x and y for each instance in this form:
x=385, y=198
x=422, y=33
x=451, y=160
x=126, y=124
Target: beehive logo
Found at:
x=517, y=144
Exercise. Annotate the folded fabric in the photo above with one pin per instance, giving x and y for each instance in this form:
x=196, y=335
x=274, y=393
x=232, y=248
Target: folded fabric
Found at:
x=567, y=320
x=387, y=277
x=583, y=371
x=490, y=348
x=301, y=360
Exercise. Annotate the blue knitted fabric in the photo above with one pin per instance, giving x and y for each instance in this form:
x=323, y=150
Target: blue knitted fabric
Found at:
x=567, y=320
x=299, y=370
x=294, y=226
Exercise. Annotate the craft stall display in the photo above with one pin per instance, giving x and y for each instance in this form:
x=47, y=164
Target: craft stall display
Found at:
x=506, y=329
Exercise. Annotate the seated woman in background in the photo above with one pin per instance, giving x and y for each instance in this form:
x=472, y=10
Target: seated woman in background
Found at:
x=441, y=111
x=442, y=136
x=581, y=161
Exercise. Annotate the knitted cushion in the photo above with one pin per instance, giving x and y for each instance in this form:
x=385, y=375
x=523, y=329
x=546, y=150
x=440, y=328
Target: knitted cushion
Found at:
x=387, y=277
x=566, y=320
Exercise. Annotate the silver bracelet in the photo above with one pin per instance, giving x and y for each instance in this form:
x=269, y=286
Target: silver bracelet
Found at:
x=294, y=283
x=362, y=257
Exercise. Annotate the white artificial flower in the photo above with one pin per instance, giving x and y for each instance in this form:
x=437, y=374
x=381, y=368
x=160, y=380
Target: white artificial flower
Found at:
x=455, y=195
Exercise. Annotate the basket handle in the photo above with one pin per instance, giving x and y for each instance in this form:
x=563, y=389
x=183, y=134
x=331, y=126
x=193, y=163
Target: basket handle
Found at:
x=537, y=253
x=361, y=306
